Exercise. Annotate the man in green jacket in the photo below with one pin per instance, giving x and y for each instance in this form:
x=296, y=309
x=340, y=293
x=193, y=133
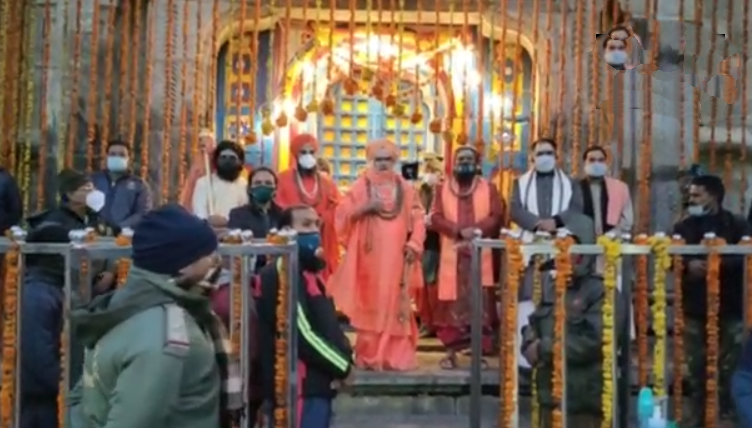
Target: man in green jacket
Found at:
x=156, y=355
x=583, y=345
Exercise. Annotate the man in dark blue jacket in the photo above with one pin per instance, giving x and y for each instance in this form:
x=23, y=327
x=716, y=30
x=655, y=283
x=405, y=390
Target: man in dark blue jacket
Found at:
x=11, y=207
x=42, y=304
x=741, y=386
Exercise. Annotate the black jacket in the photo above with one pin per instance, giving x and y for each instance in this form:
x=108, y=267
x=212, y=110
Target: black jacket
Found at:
x=324, y=353
x=11, y=207
x=70, y=220
x=732, y=228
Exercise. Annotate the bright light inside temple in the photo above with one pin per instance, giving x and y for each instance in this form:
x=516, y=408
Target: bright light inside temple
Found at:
x=286, y=105
x=499, y=105
x=376, y=46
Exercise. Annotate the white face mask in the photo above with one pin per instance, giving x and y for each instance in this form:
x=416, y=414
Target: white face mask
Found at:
x=95, y=200
x=596, y=169
x=430, y=178
x=616, y=57
x=545, y=163
x=117, y=163
x=307, y=161
x=696, y=210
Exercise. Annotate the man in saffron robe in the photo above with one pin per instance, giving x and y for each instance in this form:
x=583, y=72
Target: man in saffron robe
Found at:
x=305, y=184
x=433, y=174
x=382, y=224
x=206, y=144
x=463, y=204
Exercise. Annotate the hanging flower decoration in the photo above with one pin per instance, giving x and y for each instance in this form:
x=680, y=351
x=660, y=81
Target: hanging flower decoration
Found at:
x=641, y=311
x=508, y=379
x=564, y=270
x=537, y=296
x=236, y=291
x=713, y=280
x=612, y=255
x=678, y=273
x=660, y=243
x=281, y=373
x=124, y=264
x=10, y=340
x=748, y=286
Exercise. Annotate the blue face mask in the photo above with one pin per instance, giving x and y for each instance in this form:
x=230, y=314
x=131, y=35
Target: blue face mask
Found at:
x=117, y=163
x=696, y=210
x=308, y=243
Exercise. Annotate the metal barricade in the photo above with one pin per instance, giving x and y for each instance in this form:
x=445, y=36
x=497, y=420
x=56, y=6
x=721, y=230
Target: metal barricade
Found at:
x=628, y=250
x=82, y=250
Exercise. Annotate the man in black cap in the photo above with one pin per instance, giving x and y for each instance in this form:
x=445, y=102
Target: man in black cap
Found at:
x=157, y=356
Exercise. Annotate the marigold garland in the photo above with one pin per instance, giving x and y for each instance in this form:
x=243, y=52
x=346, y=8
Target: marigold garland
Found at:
x=124, y=263
x=136, y=52
x=93, y=90
x=660, y=244
x=183, y=121
x=508, y=342
x=236, y=291
x=169, y=103
x=564, y=271
x=24, y=168
x=678, y=365
x=108, y=83
x=537, y=295
x=748, y=286
x=70, y=148
x=713, y=279
x=612, y=256
x=10, y=340
x=641, y=313
x=281, y=372
x=147, y=95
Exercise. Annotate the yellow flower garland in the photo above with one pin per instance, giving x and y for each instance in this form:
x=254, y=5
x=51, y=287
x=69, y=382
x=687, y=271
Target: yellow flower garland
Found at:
x=714, y=289
x=564, y=270
x=236, y=314
x=10, y=340
x=537, y=294
x=281, y=374
x=507, y=349
x=612, y=255
x=660, y=244
x=678, y=332
x=748, y=286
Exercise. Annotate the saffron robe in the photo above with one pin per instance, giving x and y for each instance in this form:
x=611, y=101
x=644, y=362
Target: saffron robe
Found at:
x=370, y=284
x=324, y=200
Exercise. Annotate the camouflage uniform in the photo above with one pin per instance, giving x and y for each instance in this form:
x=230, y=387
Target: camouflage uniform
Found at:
x=731, y=335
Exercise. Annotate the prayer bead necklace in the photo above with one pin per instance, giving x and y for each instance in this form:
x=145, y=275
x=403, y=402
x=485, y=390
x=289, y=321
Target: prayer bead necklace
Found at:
x=313, y=197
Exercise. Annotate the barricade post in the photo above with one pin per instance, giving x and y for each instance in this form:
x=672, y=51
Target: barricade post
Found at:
x=82, y=249
x=621, y=408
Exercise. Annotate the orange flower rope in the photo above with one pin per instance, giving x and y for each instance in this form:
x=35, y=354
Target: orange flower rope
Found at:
x=254, y=67
x=696, y=91
x=169, y=103
x=537, y=295
x=508, y=342
x=641, y=313
x=13, y=63
x=134, y=76
x=147, y=95
x=713, y=279
x=546, y=113
x=43, y=148
x=109, y=65
x=462, y=138
x=183, y=121
x=682, y=105
x=743, y=146
x=124, y=81
x=237, y=48
x=10, y=339
x=728, y=169
x=124, y=264
x=281, y=373
x=705, y=82
x=577, y=113
x=595, y=76
x=748, y=286
x=236, y=290
x=678, y=365
x=70, y=148
x=435, y=126
x=560, y=106
x=534, y=121
x=212, y=52
x=93, y=91
x=198, y=77
x=4, y=23
x=564, y=269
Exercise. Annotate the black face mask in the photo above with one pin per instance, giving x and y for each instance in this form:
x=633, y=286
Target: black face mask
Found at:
x=310, y=263
x=229, y=170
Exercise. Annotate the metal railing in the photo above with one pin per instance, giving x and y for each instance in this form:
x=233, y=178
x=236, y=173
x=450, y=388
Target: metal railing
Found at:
x=79, y=251
x=621, y=407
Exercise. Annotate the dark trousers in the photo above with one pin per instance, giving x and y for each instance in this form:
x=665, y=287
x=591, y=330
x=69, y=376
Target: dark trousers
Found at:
x=39, y=413
x=313, y=412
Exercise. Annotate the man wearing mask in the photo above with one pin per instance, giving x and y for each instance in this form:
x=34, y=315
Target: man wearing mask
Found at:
x=382, y=226
x=11, y=206
x=707, y=215
x=305, y=184
x=199, y=166
x=127, y=196
x=218, y=193
x=606, y=200
x=431, y=178
x=615, y=54
x=157, y=356
x=463, y=204
x=323, y=349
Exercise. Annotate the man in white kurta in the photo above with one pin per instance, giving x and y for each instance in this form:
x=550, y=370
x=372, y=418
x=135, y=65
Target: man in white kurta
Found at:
x=225, y=188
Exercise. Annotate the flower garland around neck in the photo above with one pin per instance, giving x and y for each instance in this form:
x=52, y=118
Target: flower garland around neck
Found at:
x=454, y=186
x=124, y=263
x=537, y=297
x=236, y=299
x=641, y=310
x=748, y=286
x=678, y=273
x=10, y=339
x=507, y=350
x=399, y=199
x=281, y=372
x=564, y=270
x=714, y=289
x=612, y=255
x=659, y=244
x=312, y=198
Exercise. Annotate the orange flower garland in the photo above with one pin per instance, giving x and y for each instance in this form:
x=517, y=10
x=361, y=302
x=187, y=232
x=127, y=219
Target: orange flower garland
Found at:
x=537, y=295
x=10, y=340
x=714, y=288
x=508, y=344
x=236, y=300
x=678, y=365
x=563, y=274
x=124, y=264
x=281, y=373
x=641, y=312
x=748, y=286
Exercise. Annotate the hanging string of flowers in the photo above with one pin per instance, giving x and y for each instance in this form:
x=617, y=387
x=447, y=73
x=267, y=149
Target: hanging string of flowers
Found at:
x=252, y=138
x=73, y=98
x=713, y=280
x=595, y=78
x=713, y=100
x=612, y=256
x=197, y=76
x=93, y=91
x=183, y=120
x=327, y=104
x=398, y=109
x=641, y=312
x=660, y=243
x=564, y=271
x=211, y=102
x=301, y=110
x=508, y=343
x=743, y=146
x=135, y=72
x=147, y=96
x=124, y=263
x=546, y=117
x=698, y=18
x=108, y=67
x=436, y=123
x=537, y=297
x=11, y=116
x=30, y=43
x=282, y=118
x=560, y=106
x=10, y=339
x=678, y=354
x=267, y=126
x=62, y=125
x=748, y=286
x=281, y=372
x=43, y=126
x=124, y=81
x=236, y=290
x=578, y=79
x=169, y=103
x=4, y=23
x=728, y=169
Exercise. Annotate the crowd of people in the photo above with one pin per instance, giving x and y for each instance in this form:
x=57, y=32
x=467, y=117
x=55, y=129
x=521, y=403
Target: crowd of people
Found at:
x=156, y=352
